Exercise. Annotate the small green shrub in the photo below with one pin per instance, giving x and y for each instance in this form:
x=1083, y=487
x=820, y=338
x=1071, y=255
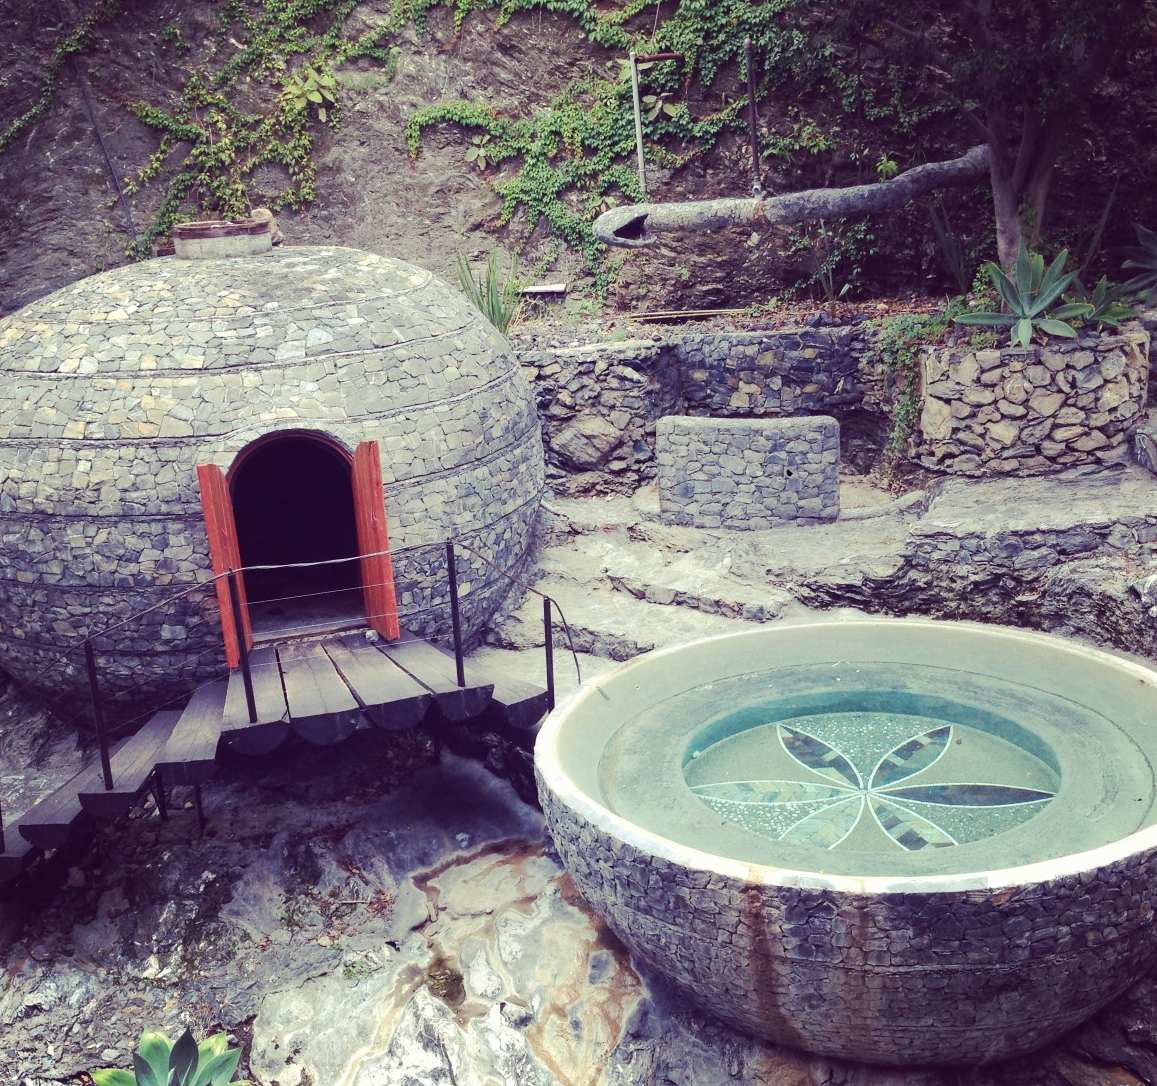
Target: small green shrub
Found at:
x=1108, y=307
x=1028, y=297
x=495, y=296
x=953, y=254
x=160, y=1062
x=1142, y=258
x=899, y=339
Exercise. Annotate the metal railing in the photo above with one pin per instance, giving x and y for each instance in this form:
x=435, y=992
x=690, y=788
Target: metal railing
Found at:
x=98, y=702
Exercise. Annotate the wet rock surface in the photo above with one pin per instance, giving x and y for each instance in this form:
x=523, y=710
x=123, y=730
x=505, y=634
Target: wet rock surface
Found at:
x=377, y=914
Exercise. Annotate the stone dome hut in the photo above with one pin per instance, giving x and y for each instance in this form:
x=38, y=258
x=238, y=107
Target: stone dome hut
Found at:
x=170, y=418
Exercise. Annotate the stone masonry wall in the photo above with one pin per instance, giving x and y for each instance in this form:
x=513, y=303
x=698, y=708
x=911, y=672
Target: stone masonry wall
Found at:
x=866, y=977
x=995, y=412
x=599, y=403
x=748, y=473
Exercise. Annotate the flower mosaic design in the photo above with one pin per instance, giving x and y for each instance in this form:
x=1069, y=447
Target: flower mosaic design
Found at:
x=831, y=798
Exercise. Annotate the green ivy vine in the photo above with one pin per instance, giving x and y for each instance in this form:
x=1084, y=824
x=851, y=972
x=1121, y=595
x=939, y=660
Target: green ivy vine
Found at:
x=75, y=41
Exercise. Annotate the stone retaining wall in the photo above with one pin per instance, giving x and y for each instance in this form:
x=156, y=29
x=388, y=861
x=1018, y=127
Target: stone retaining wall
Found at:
x=995, y=412
x=599, y=403
x=748, y=473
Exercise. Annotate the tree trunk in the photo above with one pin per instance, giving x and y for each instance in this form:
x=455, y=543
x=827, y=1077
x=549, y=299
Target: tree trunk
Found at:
x=1006, y=211
x=636, y=225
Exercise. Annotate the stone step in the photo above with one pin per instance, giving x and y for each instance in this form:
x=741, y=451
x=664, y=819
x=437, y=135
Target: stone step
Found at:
x=606, y=622
x=699, y=579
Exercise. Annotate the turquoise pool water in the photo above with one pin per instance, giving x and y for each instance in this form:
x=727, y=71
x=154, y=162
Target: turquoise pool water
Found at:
x=878, y=768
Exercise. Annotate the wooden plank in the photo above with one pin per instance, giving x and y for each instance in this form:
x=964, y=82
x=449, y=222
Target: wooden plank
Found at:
x=321, y=708
x=434, y=669
x=50, y=822
x=392, y=699
x=271, y=728
x=190, y=754
x=132, y=768
x=516, y=703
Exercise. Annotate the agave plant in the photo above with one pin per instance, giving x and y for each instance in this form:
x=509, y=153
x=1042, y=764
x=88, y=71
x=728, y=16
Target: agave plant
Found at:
x=160, y=1062
x=495, y=296
x=1028, y=296
x=1107, y=303
x=1142, y=258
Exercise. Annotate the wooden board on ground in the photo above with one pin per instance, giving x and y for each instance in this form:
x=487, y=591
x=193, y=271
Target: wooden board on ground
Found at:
x=271, y=728
x=321, y=708
x=434, y=669
x=132, y=768
x=190, y=755
x=392, y=698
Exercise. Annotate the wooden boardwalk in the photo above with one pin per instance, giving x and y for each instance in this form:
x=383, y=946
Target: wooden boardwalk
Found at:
x=322, y=691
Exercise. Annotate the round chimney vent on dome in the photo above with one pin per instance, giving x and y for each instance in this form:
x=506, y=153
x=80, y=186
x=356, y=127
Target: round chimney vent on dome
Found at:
x=212, y=239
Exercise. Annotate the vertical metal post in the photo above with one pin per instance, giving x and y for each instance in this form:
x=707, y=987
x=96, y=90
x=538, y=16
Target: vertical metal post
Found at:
x=242, y=648
x=455, y=615
x=98, y=713
x=199, y=804
x=638, y=124
x=548, y=641
x=159, y=795
x=752, y=118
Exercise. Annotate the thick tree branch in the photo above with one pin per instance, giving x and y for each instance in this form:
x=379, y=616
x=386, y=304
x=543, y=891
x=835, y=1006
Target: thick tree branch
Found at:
x=638, y=224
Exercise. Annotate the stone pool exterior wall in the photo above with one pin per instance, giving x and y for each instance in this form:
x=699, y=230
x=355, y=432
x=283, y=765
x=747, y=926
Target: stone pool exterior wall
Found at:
x=748, y=473
x=114, y=389
x=873, y=977
x=600, y=403
x=997, y=412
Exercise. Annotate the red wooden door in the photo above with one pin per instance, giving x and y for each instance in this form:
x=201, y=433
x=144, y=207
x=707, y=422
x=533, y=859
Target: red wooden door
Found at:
x=374, y=542
x=225, y=555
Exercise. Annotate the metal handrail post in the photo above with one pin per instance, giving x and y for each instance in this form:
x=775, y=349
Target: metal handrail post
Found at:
x=242, y=648
x=98, y=713
x=455, y=615
x=548, y=642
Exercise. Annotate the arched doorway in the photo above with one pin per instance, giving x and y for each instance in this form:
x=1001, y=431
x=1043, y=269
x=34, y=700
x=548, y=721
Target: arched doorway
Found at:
x=293, y=502
x=290, y=498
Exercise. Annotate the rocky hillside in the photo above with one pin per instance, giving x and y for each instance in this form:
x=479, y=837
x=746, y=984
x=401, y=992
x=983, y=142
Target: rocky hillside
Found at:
x=175, y=89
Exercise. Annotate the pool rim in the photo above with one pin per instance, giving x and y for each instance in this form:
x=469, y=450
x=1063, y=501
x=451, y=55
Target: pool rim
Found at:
x=554, y=776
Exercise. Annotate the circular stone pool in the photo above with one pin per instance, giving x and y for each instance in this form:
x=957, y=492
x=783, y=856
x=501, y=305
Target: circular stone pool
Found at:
x=888, y=840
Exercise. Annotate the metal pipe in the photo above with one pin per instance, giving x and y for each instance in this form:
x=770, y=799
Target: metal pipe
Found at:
x=548, y=642
x=242, y=647
x=455, y=616
x=638, y=124
x=752, y=118
x=98, y=714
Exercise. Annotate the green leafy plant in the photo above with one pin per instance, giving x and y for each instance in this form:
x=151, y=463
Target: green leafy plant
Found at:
x=479, y=152
x=159, y=1061
x=953, y=254
x=1107, y=302
x=1029, y=295
x=655, y=105
x=309, y=86
x=1142, y=258
x=898, y=342
x=886, y=167
x=495, y=295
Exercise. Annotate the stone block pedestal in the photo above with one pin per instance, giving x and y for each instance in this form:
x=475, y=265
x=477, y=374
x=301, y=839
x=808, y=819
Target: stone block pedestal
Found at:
x=748, y=473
